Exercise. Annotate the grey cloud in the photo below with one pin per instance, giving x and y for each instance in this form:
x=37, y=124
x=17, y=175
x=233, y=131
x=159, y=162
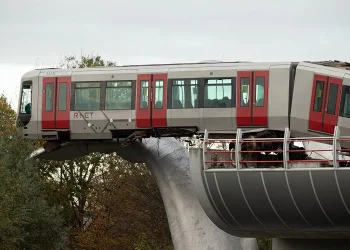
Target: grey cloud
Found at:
x=167, y=31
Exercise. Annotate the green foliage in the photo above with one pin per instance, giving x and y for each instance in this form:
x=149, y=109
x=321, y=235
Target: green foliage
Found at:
x=7, y=116
x=108, y=202
x=85, y=61
x=264, y=243
x=26, y=219
x=70, y=184
x=143, y=243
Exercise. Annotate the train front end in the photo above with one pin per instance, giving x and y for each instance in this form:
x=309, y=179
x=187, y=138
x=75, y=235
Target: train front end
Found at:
x=27, y=112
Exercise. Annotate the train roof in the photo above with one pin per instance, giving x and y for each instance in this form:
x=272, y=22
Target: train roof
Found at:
x=333, y=64
x=329, y=63
x=204, y=65
x=180, y=65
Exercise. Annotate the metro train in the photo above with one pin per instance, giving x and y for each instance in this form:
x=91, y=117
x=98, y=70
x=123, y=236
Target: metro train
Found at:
x=180, y=100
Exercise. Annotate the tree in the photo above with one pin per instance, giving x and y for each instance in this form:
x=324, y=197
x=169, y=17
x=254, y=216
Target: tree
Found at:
x=7, y=116
x=27, y=221
x=71, y=184
x=85, y=61
x=128, y=209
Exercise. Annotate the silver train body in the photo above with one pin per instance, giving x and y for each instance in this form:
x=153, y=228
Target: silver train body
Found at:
x=310, y=98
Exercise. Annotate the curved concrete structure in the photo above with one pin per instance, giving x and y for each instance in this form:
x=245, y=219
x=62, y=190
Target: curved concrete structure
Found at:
x=276, y=203
x=307, y=244
x=169, y=163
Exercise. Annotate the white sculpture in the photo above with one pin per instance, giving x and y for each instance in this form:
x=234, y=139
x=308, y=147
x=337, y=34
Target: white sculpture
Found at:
x=190, y=227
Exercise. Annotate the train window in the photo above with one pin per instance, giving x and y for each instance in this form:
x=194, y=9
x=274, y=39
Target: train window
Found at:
x=318, y=96
x=218, y=93
x=26, y=99
x=87, y=96
x=62, y=101
x=49, y=97
x=184, y=94
x=332, y=99
x=144, y=95
x=259, y=91
x=158, y=100
x=244, y=92
x=118, y=95
x=345, y=102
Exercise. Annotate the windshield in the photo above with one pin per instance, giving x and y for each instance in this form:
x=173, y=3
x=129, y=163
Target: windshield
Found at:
x=26, y=99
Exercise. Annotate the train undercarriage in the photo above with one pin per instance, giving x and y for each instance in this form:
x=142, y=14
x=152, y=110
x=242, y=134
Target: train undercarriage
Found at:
x=264, y=147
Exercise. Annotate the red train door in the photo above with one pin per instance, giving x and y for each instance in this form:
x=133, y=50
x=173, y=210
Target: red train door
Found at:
x=252, y=98
x=325, y=101
x=244, y=102
x=159, y=105
x=143, y=100
x=56, y=103
x=48, y=103
x=151, y=100
x=260, y=98
x=63, y=102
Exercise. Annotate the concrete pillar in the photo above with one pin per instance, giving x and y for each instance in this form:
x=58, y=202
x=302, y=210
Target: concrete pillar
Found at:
x=190, y=227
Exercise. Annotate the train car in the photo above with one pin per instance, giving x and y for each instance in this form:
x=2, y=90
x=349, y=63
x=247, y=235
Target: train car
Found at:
x=179, y=100
x=321, y=99
x=154, y=100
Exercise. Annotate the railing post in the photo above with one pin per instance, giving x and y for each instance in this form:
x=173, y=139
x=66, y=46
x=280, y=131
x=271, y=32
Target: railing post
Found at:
x=286, y=147
x=238, y=148
x=205, y=148
x=336, y=147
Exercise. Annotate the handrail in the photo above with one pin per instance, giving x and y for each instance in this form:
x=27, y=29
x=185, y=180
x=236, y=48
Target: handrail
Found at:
x=238, y=141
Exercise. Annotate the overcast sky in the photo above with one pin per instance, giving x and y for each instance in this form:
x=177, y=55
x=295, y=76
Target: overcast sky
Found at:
x=37, y=33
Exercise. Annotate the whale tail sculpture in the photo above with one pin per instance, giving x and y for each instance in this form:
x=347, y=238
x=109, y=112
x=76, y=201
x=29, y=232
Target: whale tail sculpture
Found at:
x=190, y=227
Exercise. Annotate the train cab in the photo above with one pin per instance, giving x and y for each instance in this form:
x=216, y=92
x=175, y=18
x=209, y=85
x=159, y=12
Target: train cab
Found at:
x=27, y=113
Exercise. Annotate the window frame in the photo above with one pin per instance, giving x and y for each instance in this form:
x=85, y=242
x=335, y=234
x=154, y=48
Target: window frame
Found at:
x=106, y=87
x=335, y=98
x=170, y=91
x=155, y=93
x=148, y=94
x=233, y=90
x=255, y=83
x=322, y=96
x=59, y=84
x=103, y=85
x=241, y=104
x=74, y=88
x=345, y=89
x=201, y=86
x=53, y=97
x=30, y=85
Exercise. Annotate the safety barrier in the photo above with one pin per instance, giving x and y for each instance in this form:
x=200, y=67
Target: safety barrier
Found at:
x=235, y=160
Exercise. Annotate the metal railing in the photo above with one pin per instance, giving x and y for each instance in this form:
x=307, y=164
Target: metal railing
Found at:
x=235, y=160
